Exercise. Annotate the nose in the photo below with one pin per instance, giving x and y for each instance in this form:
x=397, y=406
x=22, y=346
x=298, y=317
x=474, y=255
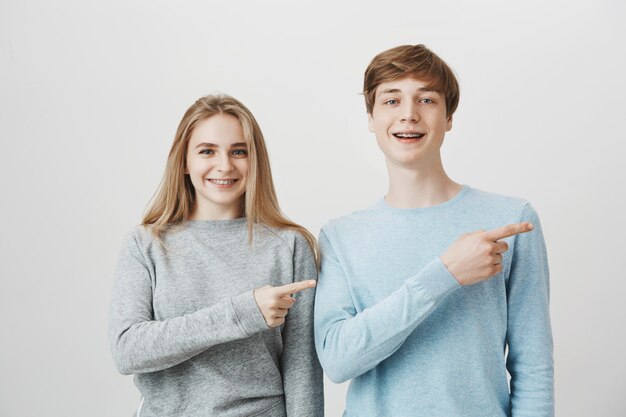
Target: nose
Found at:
x=409, y=113
x=224, y=163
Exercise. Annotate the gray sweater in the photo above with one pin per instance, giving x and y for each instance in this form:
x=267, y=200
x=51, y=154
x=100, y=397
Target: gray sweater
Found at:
x=183, y=319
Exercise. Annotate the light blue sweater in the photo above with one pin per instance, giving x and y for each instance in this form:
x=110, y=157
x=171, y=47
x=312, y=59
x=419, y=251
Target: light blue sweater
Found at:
x=389, y=315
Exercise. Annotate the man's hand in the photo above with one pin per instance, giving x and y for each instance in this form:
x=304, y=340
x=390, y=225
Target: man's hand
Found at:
x=476, y=256
x=275, y=302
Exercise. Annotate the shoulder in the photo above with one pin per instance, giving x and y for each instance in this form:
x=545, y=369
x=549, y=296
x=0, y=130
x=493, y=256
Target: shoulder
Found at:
x=360, y=219
x=498, y=205
x=287, y=237
x=139, y=236
x=496, y=200
x=141, y=240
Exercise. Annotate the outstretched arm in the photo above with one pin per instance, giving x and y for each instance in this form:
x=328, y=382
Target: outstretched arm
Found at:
x=350, y=343
x=139, y=343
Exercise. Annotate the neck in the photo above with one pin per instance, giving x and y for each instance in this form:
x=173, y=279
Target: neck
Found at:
x=419, y=187
x=216, y=212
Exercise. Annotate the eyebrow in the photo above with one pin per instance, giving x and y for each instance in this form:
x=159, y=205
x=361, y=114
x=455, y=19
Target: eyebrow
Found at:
x=213, y=145
x=397, y=90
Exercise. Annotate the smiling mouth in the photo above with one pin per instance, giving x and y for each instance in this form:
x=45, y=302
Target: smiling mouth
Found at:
x=408, y=135
x=223, y=181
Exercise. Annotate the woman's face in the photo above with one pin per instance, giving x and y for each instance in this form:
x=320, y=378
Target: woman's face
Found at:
x=217, y=163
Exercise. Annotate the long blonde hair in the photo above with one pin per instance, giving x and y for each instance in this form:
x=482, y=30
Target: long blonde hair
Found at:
x=174, y=200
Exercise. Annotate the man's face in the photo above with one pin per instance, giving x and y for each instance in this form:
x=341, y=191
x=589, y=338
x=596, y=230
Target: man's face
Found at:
x=409, y=121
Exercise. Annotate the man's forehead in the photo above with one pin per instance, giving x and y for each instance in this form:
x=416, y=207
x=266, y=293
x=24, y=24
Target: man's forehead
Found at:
x=401, y=85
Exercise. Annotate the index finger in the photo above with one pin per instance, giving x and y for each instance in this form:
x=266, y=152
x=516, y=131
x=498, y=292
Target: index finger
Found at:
x=509, y=230
x=295, y=287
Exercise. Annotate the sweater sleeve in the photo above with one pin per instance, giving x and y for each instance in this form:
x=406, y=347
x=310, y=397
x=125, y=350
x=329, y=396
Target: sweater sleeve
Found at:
x=139, y=343
x=302, y=373
x=350, y=343
x=529, y=336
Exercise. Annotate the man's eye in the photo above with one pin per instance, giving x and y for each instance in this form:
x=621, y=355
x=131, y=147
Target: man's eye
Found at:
x=207, y=152
x=241, y=153
x=391, y=101
x=426, y=101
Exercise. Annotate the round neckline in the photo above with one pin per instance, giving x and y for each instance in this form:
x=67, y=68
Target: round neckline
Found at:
x=457, y=197
x=215, y=224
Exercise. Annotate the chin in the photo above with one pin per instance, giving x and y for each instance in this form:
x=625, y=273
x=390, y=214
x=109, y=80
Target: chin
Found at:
x=405, y=160
x=226, y=201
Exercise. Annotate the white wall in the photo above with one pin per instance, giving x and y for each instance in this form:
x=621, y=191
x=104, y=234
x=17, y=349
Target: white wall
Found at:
x=91, y=94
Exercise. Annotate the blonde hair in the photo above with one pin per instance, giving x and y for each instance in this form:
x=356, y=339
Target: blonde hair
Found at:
x=174, y=200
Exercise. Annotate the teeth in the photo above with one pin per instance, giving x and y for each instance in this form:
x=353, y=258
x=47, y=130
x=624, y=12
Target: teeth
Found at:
x=408, y=135
x=223, y=182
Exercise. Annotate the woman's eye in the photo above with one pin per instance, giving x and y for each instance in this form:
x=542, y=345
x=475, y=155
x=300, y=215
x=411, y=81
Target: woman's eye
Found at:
x=207, y=152
x=241, y=153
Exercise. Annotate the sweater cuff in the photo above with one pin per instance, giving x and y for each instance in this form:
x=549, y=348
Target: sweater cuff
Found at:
x=248, y=314
x=436, y=280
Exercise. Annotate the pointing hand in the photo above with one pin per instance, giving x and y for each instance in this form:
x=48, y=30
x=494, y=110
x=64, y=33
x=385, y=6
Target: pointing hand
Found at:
x=476, y=256
x=275, y=302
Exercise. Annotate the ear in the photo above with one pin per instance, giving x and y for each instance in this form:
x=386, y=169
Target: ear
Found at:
x=449, y=124
x=370, y=122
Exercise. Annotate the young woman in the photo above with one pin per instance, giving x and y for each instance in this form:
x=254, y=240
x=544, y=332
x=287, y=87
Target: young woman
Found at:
x=212, y=302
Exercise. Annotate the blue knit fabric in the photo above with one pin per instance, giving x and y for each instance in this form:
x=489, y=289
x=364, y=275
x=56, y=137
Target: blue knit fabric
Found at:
x=390, y=317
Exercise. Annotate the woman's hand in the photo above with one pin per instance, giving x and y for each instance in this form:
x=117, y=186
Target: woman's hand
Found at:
x=275, y=302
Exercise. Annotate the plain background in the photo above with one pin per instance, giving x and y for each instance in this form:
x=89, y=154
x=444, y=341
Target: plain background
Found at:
x=91, y=94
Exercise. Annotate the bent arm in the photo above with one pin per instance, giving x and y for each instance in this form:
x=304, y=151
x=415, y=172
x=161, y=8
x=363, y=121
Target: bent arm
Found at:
x=529, y=335
x=350, y=343
x=139, y=343
x=302, y=373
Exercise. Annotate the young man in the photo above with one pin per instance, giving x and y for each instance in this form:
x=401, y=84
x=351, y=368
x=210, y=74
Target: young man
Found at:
x=428, y=298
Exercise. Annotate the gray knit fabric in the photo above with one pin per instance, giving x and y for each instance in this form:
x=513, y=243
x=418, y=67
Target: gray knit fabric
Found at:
x=183, y=319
